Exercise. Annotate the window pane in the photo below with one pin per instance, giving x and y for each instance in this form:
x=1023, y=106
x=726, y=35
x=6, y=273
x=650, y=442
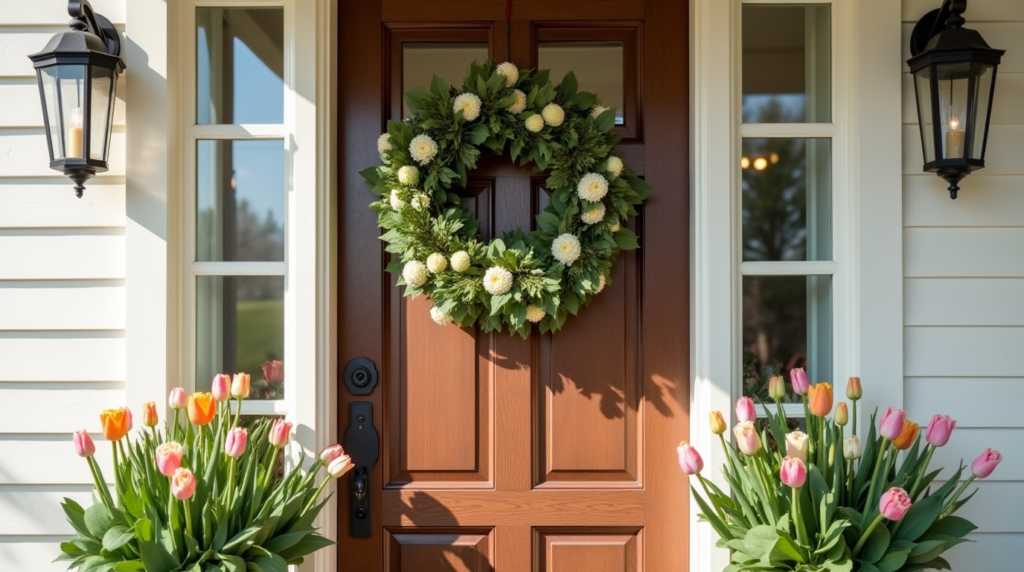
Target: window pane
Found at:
x=240, y=65
x=597, y=65
x=787, y=199
x=787, y=323
x=787, y=74
x=240, y=328
x=240, y=200
x=449, y=61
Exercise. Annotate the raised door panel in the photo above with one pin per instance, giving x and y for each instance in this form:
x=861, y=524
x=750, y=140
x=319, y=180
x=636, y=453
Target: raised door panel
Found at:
x=587, y=550
x=426, y=550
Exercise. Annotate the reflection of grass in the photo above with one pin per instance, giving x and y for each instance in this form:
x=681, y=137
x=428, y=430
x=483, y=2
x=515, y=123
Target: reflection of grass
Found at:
x=260, y=335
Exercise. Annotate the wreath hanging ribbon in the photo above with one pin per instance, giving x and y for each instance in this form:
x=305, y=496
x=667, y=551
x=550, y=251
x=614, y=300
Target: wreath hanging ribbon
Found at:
x=523, y=278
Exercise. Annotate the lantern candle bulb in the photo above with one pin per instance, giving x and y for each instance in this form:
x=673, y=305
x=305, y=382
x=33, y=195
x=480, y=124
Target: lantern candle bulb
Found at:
x=954, y=140
x=76, y=135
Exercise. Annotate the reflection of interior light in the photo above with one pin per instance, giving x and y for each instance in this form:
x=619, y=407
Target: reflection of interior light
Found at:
x=233, y=182
x=774, y=158
x=760, y=164
x=745, y=163
x=954, y=124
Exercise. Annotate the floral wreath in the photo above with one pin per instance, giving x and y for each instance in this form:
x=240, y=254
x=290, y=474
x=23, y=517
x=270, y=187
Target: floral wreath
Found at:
x=521, y=279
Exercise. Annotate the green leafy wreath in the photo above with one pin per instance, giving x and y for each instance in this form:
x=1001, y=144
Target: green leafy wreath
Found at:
x=521, y=279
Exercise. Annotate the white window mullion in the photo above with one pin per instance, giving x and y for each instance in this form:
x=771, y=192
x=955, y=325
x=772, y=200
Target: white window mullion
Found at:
x=796, y=268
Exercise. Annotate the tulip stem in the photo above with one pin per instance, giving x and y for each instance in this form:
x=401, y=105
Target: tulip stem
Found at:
x=238, y=411
x=312, y=501
x=798, y=519
x=922, y=471
x=270, y=467
x=852, y=500
x=810, y=427
x=101, y=487
x=855, y=416
x=867, y=533
x=707, y=491
x=960, y=491
x=231, y=483
x=874, y=476
x=188, y=517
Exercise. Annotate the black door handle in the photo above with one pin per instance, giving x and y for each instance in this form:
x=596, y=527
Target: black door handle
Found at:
x=363, y=445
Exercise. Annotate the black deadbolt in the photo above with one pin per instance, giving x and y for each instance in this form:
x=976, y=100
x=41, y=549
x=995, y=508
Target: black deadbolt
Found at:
x=360, y=376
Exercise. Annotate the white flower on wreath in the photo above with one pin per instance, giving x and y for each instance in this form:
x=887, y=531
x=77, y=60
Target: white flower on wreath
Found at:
x=566, y=249
x=593, y=187
x=415, y=273
x=436, y=263
x=439, y=317
x=423, y=148
x=497, y=280
x=535, y=123
x=510, y=71
x=520, y=103
x=615, y=227
x=409, y=175
x=594, y=215
x=534, y=314
x=469, y=104
x=420, y=201
x=384, y=143
x=461, y=261
x=614, y=166
x=598, y=110
x=396, y=202
x=553, y=114
x=600, y=285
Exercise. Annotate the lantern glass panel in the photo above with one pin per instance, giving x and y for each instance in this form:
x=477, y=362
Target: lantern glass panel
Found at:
x=99, y=103
x=953, y=87
x=923, y=86
x=62, y=87
x=985, y=78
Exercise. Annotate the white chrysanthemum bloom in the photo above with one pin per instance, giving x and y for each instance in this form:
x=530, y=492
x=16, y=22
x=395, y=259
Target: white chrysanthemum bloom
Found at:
x=592, y=187
x=598, y=110
x=396, y=203
x=566, y=249
x=553, y=114
x=615, y=227
x=409, y=175
x=520, y=103
x=439, y=317
x=469, y=104
x=614, y=166
x=600, y=285
x=510, y=71
x=497, y=280
x=420, y=201
x=461, y=261
x=415, y=273
x=423, y=148
x=535, y=123
x=534, y=314
x=436, y=263
x=594, y=215
x=384, y=143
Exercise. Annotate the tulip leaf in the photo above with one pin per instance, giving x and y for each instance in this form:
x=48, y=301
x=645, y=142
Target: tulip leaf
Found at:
x=308, y=545
x=117, y=536
x=786, y=550
x=868, y=567
x=283, y=541
x=926, y=551
x=919, y=518
x=894, y=558
x=758, y=542
x=130, y=566
x=232, y=563
x=76, y=516
x=241, y=541
x=153, y=554
x=271, y=563
x=831, y=536
x=98, y=520
x=954, y=526
x=876, y=545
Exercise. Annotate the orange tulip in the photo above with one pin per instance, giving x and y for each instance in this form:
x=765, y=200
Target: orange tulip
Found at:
x=819, y=398
x=907, y=436
x=115, y=423
x=201, y=408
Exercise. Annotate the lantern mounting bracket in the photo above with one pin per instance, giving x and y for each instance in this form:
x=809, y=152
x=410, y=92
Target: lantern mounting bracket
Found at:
x=84, y=18
x=949, y=15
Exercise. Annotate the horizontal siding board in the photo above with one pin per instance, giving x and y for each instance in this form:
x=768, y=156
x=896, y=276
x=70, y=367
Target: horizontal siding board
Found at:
x=1001, y=34
x=68, y=406
x=966, y=444
x=22, y=108
x=31, y=553
x=986, y=10
x=1006, y=107
x=30, y=510
x=964, y=352
x=51, y=202
x=963, y=252
x=62, y=305
x=23, y=153
x=17, y=43
x=49, y=461
x=997, y=507
x=974, y=402
x=62, y=356
x=987, y=553
x=1002, y=153
x=62, y=255
x=984, y=200
x=35, y=12
x=962, y=301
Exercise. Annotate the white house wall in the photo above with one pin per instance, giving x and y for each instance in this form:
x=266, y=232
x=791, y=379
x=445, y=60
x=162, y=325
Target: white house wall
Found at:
x=963, y=269
x=62, y=299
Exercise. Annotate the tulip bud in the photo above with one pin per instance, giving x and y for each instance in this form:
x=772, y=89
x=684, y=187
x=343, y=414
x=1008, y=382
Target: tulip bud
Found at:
x=891, y=424
x=776, y=387
x=894, y=503
x=986, y=463
x=339, y=466
x=799, y=381
x=234, y=445
x=689, y=459
x=796, y=445
x=853, y=389
x=83, y=444
x=842, y=415
x=745, y=409
x=279, y=433
x=793, y=473
x=149, y=416
x=221, y=387
x=851, y=448
x=717, y=422
x=168, y=458
x=240, y=386
x=819, y=397
x=177, y=398
x=273, y=371
x=183, y=484
x=907, y=436
x=331, y=453
x=939, y=430
x=747, y=439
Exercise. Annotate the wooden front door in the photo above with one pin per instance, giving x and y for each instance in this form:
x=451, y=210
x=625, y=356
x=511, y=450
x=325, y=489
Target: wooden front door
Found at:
x=496, y=453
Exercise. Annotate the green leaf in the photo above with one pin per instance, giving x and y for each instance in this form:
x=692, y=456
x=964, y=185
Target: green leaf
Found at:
x=568, y=86
x=272, y=563
x=232, y=563
x=116, y=537
x=920, y=518
x=926, y=551
x=478, y=134
x=954, y=526
x=438, y=86
x=76, y=516
x=605, y=121
x=308, y=545
x=130, y=566
x=154, y=555
x=98, y=520
x=893, y=560
x=876, y=545
x=758, y=542
x=784, y=550
x=283, y=541
x=626, y=239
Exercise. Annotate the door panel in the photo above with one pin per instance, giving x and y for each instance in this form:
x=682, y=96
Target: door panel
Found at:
x=553, y=453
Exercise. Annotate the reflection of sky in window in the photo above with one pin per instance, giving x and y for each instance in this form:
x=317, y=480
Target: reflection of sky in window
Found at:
x=793, y=105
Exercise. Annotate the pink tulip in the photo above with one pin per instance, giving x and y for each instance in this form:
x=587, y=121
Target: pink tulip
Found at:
x=331, y=453
x=234, y=445
x=894, y=503
x=177, y=398
x=986, y=463
x=168, y=458
x=793, y=472
x=891, y=424
x=745, y=409
x=83, y=444
x=221, y=387
x=128, y=419
x=747, y=439
x=939, y=430
x=689, y=459
x=273, y=371
x=279, y=432
x=183, y=484
x=798, y=379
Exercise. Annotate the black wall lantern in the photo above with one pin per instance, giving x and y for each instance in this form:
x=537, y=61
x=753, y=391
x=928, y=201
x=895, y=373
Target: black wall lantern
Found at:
x=77, y=73
x=954, y=80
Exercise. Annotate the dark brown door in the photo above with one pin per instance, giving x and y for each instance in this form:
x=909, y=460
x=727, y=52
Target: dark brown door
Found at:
x=550, y=454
